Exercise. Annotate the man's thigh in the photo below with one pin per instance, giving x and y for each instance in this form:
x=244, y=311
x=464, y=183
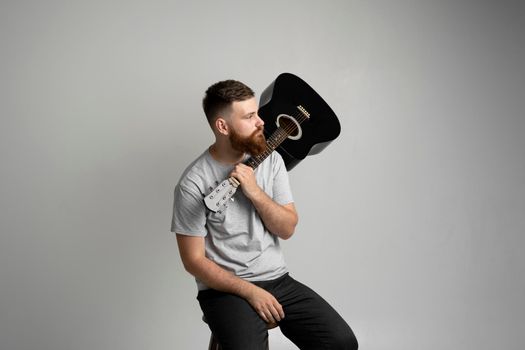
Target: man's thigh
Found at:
x=310, y=322
x=233, y=321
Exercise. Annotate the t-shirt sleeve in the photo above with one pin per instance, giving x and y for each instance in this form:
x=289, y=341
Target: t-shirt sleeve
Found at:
x=282, y=194
x=189, y=212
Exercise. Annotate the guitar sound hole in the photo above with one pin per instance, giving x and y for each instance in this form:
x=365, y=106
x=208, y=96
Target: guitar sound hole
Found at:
x=289, y=125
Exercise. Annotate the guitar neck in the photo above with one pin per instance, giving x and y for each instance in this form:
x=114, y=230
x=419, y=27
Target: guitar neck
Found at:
x=278, y=136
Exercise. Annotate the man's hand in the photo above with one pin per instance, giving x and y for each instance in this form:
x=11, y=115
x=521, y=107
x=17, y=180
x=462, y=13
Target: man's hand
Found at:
x=265, y=304
x=245, y=175
x=278, y=219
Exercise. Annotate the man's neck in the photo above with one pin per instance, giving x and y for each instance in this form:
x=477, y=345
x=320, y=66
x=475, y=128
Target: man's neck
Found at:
x=225, y=154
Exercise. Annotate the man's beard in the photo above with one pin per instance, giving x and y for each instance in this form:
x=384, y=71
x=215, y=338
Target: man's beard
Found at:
x=254, y=144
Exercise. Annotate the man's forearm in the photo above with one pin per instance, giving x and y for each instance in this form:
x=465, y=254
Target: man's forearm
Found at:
x=278, y=219
x=217, y=278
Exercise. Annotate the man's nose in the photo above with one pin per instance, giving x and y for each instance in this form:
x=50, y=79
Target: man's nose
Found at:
x=260, y=122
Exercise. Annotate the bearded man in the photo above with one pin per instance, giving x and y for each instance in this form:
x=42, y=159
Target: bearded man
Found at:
x=244, y=285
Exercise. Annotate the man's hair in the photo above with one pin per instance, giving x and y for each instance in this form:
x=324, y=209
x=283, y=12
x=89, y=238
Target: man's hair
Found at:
x=220, y=95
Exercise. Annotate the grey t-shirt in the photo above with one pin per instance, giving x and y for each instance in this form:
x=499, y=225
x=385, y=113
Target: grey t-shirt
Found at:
x=235, y=239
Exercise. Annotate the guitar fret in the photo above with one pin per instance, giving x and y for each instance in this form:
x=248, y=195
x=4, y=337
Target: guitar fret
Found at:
x=278, y=136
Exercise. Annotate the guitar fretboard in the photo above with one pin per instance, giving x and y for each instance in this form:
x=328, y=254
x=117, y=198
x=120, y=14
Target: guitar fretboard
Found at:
x=278, y=136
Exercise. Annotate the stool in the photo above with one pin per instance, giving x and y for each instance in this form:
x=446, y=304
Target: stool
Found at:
x=214, y=344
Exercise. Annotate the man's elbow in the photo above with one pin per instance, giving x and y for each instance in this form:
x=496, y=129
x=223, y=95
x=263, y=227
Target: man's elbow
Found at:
x=191, y=265
x=285, y=235
x=288, y=232
x=188, y=267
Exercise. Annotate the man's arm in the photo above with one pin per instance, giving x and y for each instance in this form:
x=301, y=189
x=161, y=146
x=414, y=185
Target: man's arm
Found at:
x=192, y=252
x=278, y=219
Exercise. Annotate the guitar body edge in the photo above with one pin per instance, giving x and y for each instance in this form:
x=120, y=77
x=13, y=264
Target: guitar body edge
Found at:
x=283, y=96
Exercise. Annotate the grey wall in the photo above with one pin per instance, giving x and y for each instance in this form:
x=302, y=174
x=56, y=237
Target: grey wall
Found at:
x=412, y=221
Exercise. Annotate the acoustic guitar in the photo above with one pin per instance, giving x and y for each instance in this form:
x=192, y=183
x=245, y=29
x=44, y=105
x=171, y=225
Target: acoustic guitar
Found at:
x=297, y=123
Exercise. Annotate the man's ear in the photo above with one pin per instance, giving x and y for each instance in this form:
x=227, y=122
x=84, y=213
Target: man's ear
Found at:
x=222, y=126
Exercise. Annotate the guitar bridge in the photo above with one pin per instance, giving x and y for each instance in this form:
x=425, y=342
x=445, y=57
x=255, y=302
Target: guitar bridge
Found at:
x=303, y=111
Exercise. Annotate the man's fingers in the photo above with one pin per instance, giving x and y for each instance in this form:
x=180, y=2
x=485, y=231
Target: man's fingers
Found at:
x=269, y=318
x=263, y=316
x=266, y=306
x=281, y=311
x=276, y=314
x=241, y=170
x=271, y=314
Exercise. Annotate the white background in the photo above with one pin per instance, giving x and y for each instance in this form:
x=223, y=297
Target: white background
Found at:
x=411, y=222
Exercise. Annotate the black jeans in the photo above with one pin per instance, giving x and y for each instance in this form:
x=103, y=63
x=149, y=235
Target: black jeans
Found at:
x=309, y=322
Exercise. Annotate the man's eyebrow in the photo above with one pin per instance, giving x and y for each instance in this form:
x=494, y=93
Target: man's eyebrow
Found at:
x=247, y=114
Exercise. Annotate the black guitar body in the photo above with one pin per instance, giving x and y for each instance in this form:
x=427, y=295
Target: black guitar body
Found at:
x=279, y=104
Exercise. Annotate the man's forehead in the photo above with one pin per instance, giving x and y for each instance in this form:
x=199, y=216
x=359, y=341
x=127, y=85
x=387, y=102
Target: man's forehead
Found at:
x=245, y=107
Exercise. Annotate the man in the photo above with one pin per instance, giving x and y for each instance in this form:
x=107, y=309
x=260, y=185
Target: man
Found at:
x=235, y=256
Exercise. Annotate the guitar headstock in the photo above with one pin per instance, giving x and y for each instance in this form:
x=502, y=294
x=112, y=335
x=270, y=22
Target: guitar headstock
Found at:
x=218, y=199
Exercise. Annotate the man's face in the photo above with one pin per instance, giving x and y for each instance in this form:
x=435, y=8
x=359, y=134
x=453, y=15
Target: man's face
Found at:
x=246, y=127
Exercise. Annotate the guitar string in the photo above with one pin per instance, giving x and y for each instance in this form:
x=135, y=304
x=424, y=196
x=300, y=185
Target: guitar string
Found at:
x=276, y=137
x=299, y=117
